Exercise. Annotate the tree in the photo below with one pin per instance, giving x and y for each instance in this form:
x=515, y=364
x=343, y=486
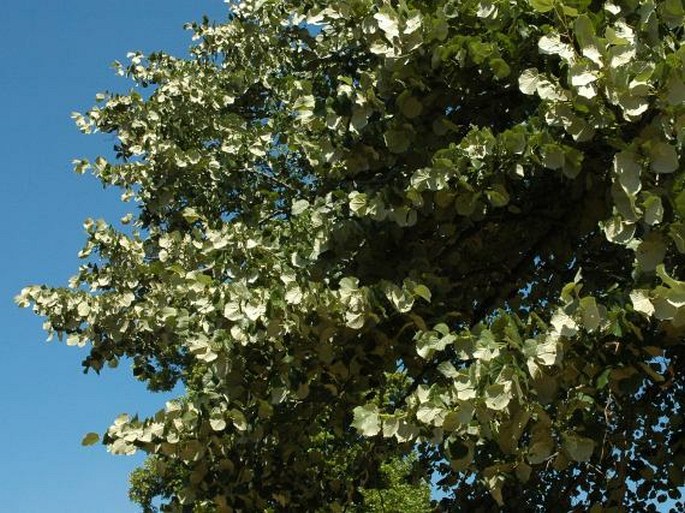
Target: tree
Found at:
x=369, y=229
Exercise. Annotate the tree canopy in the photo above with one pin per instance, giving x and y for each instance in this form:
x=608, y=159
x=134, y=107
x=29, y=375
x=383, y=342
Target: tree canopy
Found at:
x=442, y=235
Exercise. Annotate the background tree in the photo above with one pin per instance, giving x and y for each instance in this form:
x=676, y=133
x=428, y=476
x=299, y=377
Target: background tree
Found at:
x=370, y=228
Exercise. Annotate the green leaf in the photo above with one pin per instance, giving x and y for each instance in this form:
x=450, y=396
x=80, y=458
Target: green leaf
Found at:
x=90, y=439
x=628, y=169
x=529, y=80
x=409, y=105
x=653, y=209
x=579, y=448
x=663, y=158
x=553, y=156
x=358, y=202
x=254, y=310
x=238, y=418
x=499, y=67
x=398, y=139
x=650, y=252
x=423, y=292
x=590, y=313
x=497, y=397
x=641, y=302
x=294, y=295
x=466, y=203
x=497, y=196
x=299, y=206
x=367, y=420
x=388, y=22
x=217, y=424
x=540, y=449
x=190, y=214
x=585, y=35
x=542, y=5
x=400, y=298
x=603, y=379
x=523, y=471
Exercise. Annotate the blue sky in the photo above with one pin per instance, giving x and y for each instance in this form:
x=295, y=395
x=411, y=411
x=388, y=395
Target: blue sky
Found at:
x=54, y=58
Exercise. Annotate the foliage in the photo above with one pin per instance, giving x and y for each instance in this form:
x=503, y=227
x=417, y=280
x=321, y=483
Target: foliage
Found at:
x=371, y=227
x=397, y=489
x=400, y=494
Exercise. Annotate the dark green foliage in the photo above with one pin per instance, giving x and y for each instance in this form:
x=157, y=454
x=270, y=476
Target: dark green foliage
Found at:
x=369, y=229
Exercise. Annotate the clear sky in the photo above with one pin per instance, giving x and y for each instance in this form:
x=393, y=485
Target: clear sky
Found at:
x=55, y=57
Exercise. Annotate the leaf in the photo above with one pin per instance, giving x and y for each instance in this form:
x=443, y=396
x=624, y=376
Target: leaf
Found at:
x=551, y=44
x=464, y=387
x=294, y=295
x=448, y=370
x=430, y=414
x=540, y=449
x=303, y=108
x=466, y=203
x=254, y=310
x=676, y=91
x=238, y=419
x=653, y=209
x=299, y=206
x=497, y=196
x=677, y=234
x=190, y=215
x=672, y=12
x=663, y=158
x=232, y=311
x=217, y=424
x=401, y=299
x=495, y=483
x=679, y=203
x=585, y=35
x=413, y=23
x=582, y=75
x=83, y=309
x=367, y=420
x=528, y=81
x=486, y=9
x=388, y=22
x=590, y=313
x=579, y=448
x=409, y=105
x=514, y=141
x=423, y=292
x=429, y=343
x=650, y=252
x=499, y=67
x=563, y=324
x=390, y=427
x=618, y=231
x=603, y=379
x=497, y=397
x=523, y=471
x=552, y=156
x=548, y=90
x=358, y=202
x=542, y=5
x=90, y=439
x=627, y=169
x=355, y=320
x=547, y=352
x=641, y=302
x=397, y=140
